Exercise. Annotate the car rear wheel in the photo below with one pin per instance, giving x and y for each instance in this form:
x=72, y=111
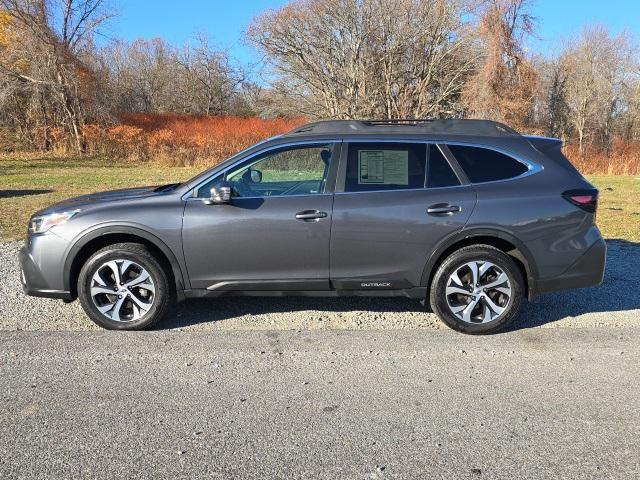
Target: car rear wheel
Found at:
x=477, y=290
x=124, y=287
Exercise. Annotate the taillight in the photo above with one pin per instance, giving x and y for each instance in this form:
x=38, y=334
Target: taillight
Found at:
x=586, y=199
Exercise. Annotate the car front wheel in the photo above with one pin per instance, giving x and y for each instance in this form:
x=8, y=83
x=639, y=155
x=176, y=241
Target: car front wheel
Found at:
x=477, y=290
x=124, y=287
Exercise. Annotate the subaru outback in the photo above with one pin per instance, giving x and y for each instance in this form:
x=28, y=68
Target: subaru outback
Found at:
x=467, y=216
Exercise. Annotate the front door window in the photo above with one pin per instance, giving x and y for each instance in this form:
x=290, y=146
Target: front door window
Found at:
x=283, y=172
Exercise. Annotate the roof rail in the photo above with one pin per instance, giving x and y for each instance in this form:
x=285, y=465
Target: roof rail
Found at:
x=398, y=121
x=433, y=126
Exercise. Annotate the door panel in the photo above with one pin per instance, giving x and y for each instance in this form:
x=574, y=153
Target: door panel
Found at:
x=274, y=234
x=258, y=242
x=387, y=237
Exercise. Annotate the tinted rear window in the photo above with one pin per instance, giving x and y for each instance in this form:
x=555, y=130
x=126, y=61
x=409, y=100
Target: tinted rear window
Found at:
x=485, y=165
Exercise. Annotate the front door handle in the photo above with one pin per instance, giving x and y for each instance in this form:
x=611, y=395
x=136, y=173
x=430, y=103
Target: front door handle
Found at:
x=311, y=215
x=443, y=209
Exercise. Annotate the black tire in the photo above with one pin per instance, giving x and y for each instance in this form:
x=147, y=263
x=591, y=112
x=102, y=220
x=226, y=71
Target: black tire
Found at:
x=163, y=297
x=482, y=253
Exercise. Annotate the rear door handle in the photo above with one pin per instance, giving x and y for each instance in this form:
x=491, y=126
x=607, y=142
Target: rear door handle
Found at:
x=443, y=209
x=311, y=215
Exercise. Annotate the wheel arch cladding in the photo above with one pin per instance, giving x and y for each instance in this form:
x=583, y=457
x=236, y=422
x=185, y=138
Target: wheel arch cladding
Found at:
x=94, y=241
x=505, y=243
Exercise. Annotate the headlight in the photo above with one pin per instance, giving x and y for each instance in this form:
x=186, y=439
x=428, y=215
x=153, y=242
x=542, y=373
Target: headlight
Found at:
x=42, y=223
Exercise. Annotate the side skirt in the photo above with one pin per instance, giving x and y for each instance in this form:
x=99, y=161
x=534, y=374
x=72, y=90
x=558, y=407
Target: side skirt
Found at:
x=416, y=293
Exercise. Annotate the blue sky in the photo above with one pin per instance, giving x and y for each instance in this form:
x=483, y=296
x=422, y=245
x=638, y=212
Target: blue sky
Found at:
x=224, y=21
x=558, y=19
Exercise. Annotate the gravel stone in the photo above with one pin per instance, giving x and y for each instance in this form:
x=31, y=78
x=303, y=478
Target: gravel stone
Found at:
x=608, y=305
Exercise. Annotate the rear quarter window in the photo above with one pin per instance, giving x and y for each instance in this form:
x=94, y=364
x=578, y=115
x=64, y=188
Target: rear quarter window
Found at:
x=486, y=165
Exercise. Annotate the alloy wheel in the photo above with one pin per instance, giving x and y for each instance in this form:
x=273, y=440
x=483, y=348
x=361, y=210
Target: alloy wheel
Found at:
x=122, y=290
x=478, y=292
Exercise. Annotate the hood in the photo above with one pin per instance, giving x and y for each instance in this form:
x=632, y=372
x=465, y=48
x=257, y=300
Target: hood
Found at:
x=93, y=199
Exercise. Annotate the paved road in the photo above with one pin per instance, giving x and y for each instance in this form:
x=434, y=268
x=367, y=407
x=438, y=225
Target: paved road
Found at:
x=537, y=403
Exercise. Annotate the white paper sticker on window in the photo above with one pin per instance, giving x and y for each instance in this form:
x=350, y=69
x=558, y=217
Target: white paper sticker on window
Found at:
x=383, y=167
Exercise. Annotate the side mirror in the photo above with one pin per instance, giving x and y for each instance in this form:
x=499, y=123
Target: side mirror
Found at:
x=220, y=194
x=256, y=176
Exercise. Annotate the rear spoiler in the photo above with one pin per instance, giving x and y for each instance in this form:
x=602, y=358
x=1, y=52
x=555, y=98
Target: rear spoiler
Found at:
x=544, y=144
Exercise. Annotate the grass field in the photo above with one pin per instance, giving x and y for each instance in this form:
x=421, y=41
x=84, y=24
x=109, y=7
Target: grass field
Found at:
x=619, y=209
x=42, y=181
x=29, y=183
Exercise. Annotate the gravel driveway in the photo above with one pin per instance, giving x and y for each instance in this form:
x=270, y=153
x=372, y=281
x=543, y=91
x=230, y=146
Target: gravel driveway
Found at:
x=608, y=305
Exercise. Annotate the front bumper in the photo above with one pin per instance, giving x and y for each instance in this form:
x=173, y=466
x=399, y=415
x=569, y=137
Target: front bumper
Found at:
x=41, y=268
x=587, y=271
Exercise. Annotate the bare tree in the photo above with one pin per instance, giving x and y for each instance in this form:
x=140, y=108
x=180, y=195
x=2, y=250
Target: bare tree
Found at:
x=211, y=79
x=140, y=76
x=366, y=58
x=629, y=128
x=152, y=76
x=504, y=87
x=551, y=111
x=42, y=62
x=598, y=68
x=326, y=58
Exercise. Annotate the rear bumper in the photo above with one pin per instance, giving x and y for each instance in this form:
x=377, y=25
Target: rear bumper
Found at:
x=33, y=279
x=587, y=271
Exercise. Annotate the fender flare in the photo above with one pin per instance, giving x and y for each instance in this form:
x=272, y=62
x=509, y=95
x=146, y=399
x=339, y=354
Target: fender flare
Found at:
x=80, y=242
x=461, y=235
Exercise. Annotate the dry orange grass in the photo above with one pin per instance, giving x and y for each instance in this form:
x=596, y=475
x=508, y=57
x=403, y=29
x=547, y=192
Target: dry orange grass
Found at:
x=622, y=159
x=186, y=140
x=173, y=140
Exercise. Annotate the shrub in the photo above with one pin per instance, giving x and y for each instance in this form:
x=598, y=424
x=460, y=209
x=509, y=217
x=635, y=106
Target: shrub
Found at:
x=623, y=158
x=182, y=139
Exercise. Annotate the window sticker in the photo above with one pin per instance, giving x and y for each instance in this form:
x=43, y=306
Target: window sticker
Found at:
x=383, y=167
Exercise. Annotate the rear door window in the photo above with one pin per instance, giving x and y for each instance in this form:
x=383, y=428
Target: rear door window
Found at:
x=385, y=166
x=440, y=174
x=486, y=165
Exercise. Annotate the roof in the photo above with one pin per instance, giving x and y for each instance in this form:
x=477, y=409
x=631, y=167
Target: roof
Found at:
x=472, y=127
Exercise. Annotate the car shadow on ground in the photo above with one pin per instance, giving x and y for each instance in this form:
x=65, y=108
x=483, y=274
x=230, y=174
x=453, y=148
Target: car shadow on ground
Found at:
x=22, y=193
x=616, y=294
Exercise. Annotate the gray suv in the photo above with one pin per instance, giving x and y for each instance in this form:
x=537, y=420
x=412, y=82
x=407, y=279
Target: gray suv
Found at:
x=466, y=215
